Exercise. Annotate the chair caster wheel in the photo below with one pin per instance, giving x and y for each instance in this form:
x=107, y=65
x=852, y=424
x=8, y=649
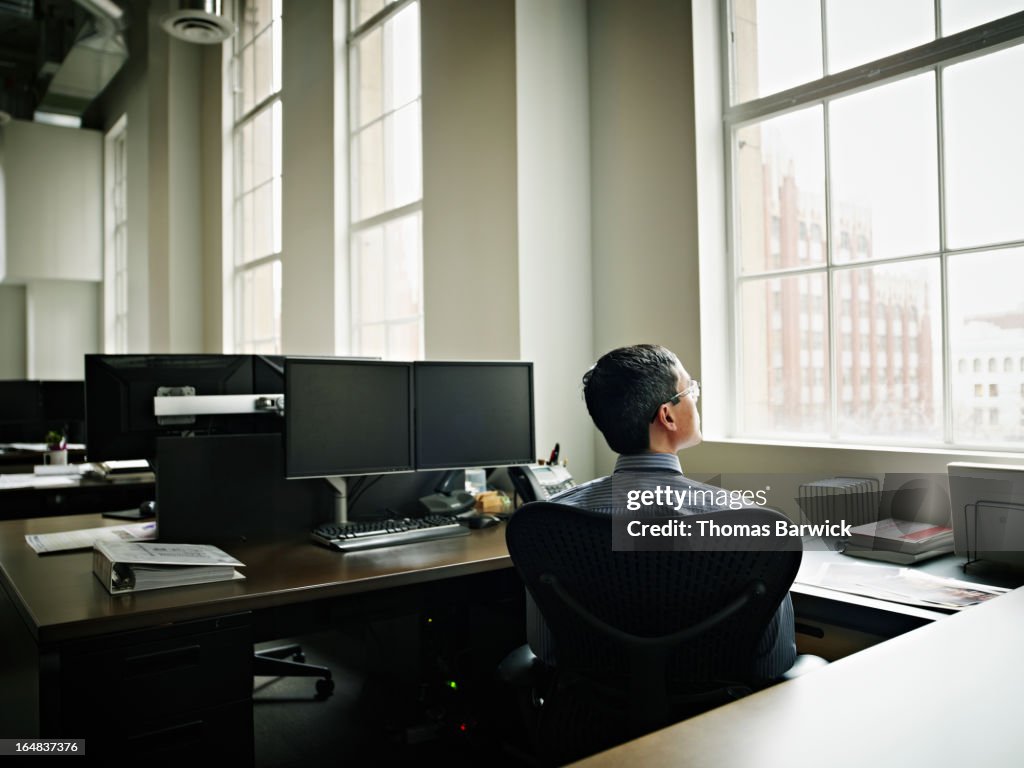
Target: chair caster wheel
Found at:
x=324, y=688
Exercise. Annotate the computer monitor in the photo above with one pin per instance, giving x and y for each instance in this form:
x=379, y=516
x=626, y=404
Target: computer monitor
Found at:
x=347, y=417
x=119, y=392
x=64, y=408
x=21, y=412
x=474, y=414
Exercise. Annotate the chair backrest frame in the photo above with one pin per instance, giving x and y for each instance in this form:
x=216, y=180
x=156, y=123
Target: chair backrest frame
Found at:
x=656, y=627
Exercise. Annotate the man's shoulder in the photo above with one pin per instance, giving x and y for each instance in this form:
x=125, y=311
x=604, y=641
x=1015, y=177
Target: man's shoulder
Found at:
x=583, y=494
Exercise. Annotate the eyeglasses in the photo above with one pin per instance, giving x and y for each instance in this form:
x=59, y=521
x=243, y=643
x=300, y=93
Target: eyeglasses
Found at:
x=693, y=389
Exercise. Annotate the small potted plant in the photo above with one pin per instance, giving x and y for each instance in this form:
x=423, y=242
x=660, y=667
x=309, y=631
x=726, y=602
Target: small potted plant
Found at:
x=56, y=448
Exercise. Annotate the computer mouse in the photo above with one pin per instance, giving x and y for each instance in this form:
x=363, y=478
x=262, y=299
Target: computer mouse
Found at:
x=481, y=521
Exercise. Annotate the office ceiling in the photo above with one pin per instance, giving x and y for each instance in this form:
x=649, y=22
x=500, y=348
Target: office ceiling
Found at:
x=36, y=39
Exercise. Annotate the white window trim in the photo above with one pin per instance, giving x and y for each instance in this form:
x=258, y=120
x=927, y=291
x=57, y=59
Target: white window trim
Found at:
x=115, y=317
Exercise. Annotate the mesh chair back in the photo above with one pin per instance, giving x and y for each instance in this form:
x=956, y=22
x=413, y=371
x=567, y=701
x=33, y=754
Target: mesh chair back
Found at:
x=649, y=595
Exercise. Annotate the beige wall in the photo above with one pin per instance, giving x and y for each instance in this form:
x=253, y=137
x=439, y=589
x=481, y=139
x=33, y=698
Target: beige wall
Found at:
x=556, y=305
x=643, y=181
x=470, y=242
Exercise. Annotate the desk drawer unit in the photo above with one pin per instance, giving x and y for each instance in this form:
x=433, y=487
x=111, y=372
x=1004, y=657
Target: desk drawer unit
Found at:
x=178, y=690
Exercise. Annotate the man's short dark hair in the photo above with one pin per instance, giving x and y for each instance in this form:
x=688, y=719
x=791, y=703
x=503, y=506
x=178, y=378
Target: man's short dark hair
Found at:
x=625, y=388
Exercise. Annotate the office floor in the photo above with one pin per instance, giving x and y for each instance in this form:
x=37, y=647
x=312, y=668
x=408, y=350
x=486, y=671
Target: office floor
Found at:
x=375, y=719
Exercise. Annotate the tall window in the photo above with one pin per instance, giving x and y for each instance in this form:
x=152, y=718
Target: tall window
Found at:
x=386, y=177
x=256, y=209
x=876, y=169
x=115, y=252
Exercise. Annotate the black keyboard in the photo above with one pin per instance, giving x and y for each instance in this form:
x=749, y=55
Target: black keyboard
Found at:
x=356, y=535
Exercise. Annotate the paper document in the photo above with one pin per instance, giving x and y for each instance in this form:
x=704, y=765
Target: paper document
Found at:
x=902, y=585
x=26, y=480
x=86, y=537
x=43, y=447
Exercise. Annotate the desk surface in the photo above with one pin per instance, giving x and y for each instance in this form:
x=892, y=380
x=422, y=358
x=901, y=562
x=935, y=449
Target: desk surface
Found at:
x=60, y=599
x=943, y=695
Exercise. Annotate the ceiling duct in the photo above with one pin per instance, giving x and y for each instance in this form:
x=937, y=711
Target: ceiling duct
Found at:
x=98, y=53
x=198, y=21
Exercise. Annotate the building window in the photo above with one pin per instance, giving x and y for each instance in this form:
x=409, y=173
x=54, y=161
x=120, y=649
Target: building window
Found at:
x=254, y=305
x=386, y=209
x=115, y=251
x=805, y=143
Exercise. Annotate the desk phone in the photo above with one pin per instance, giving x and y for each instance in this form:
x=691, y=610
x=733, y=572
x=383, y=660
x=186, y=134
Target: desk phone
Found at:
x=539, y=482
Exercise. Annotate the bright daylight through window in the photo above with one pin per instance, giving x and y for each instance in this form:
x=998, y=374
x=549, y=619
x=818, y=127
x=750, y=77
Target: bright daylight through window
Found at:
x=876, y=225
x=386, y=179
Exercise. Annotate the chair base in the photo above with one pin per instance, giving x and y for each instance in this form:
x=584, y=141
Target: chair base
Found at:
x=274, y=662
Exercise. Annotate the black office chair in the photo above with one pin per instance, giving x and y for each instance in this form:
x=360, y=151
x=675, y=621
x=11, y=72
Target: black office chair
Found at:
x=642, y=639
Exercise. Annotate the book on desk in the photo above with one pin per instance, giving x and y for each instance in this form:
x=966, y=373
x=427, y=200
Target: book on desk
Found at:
x=123, y=566
x=899, y=541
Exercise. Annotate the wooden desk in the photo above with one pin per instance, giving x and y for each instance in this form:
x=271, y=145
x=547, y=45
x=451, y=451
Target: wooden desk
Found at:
x=944, y=695
x=70, y=648
x=147, y=671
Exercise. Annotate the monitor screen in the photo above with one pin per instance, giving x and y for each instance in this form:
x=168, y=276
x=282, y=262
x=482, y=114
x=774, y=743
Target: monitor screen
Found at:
x=474, y=414
x=21, y=412
x=119, y=392
x=64, y=408
x=347, y=417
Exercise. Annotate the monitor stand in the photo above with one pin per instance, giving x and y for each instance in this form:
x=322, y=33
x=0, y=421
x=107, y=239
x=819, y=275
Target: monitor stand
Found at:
x=341, y=499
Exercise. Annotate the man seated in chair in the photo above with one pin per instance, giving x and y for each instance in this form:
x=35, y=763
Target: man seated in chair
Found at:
x=645, y=404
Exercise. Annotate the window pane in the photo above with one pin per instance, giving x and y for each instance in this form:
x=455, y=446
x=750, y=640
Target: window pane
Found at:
x=368, y=275
x=890, y=363
x=775, y=46
x=958, y=15
x=403, y=33
x=402, y=240
x=785, y=352
x=368, y=179
x=404, y=159
x=263, y=222
x=986, y=322
x=258, y=303
x=404, y=341
x=984, y=111
x=367, y=62
x=372, y=340
x=884, y=174
x=860, y=31
x=781, y=177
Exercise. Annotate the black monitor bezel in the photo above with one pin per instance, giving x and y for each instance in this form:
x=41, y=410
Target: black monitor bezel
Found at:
x=528, y=365
x=106, y=443
x=290, y=361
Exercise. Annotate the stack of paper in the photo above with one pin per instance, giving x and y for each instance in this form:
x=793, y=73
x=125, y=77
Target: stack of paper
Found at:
x=902, y=585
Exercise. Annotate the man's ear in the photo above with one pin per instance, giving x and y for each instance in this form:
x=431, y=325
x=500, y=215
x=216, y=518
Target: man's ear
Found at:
x=669, y=419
